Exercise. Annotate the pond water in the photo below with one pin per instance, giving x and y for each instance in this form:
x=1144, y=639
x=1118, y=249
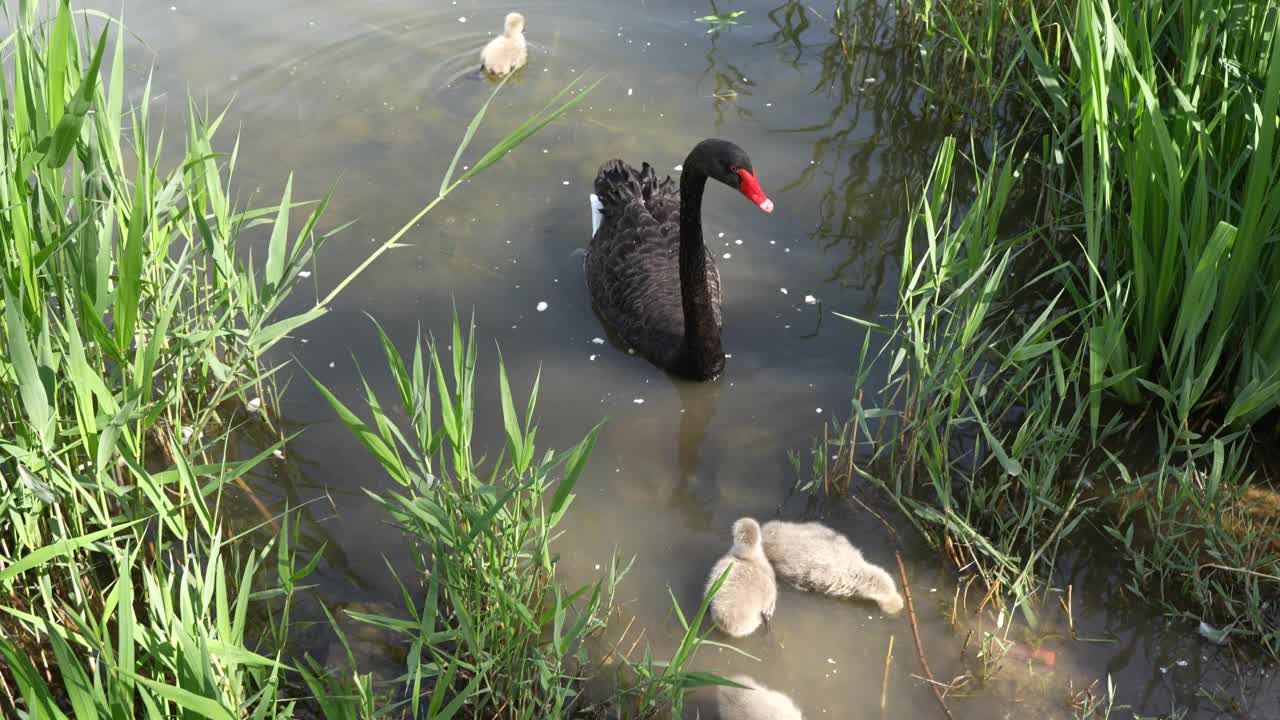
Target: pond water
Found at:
x=374, y=96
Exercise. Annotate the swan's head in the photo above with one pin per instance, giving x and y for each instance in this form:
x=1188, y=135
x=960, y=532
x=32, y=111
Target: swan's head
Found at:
x=746, y=537
x=728, y=163
x=514, y=24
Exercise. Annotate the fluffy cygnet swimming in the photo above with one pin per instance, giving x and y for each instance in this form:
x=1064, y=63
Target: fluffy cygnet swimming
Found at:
x=812, y=556
x=758, y=703
x=507, y=52
x=749, y=594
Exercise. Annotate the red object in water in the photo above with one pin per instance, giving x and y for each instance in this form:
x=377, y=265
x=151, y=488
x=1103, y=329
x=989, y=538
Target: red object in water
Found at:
x=1022, y=652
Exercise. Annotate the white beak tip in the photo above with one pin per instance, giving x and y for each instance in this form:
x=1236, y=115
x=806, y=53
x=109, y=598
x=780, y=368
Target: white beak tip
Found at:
x=767, y=205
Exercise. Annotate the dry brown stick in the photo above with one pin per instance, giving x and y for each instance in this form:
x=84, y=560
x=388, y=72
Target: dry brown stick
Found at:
x=915, y=631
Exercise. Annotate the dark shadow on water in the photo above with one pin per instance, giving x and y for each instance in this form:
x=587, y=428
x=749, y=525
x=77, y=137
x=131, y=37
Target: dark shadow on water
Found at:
x=696, y=491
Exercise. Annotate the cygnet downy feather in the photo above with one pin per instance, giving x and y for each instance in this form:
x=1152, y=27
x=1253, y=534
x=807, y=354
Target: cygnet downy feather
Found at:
x=507, y=52
x=812, y=556
x=750, y=593
x=758, y=703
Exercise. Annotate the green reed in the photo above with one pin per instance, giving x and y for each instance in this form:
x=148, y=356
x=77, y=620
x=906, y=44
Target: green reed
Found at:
x=492, y=631
x=1160, y=146
x=135, y=340
x=1144, y=275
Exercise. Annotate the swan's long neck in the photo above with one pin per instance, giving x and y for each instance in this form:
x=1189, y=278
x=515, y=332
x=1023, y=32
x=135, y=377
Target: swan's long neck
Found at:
x=702, y=351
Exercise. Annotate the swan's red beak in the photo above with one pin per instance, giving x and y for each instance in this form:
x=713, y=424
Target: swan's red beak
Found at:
x=751, y=188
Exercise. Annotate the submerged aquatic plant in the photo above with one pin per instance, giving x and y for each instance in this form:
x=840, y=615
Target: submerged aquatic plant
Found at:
x=720, y=21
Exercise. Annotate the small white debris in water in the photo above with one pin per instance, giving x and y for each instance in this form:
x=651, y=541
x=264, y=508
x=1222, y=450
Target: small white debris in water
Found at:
x=728, y=255
x=304, y=274
x=1181, y=663
x=830, y=661
x=787, y=250
x=784, y=290
x=933, y=589
x=566, y=182
x=254, y=405
x=597, y=566
x=305, y=341
x=333, y=364
x=598, y=341
x=727, y=355
x=628, y=95
x=1164, y=671
x=173, y=8
x=819, y=411
x=638, y=401
x=278, y=454
x=542, y=306
x=773, y=242
x=870, y=80
x=592, y=358
x=544, y=150
x=631, y=351
x=810, y=300
x=462, y=19
x=679, y=168
x=720, y=235
x=738, y=241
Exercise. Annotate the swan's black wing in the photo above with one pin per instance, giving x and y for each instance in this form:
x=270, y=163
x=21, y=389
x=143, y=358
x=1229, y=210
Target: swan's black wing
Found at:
x=633, y=262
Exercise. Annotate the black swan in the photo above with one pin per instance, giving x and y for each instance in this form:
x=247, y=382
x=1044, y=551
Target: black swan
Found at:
x=651, y=277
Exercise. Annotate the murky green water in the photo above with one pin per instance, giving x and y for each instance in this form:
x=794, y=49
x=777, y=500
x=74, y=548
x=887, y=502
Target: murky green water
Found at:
x=376, y=95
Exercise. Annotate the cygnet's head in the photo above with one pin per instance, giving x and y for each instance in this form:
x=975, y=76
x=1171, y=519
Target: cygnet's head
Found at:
x=514, y=24
x=890, y=604
x=746, y=537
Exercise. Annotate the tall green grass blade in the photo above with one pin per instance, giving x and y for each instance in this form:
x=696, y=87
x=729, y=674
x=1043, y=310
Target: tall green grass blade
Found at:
x=466, y=137
x=68, y=129
x=129, y=286
x=39, y=700
x=61, y=548
x=56, y=62
x=31, y=385
x=277, y=250
x=187, y=700
x=524, y=132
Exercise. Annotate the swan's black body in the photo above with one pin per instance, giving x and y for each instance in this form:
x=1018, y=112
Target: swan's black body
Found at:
x=651, y=277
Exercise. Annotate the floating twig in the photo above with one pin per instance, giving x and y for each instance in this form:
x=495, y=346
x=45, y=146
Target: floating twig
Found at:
x=884, y=687
x=915, y=631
